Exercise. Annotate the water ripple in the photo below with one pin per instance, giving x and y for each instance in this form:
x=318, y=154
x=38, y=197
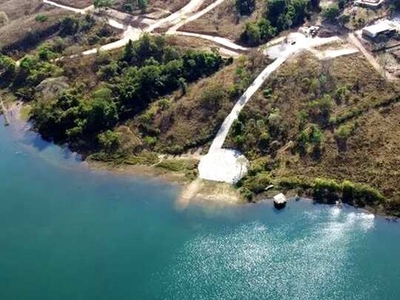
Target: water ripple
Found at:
x=253, y=261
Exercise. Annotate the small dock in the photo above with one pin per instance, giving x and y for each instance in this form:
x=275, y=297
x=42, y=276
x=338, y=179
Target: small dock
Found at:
x=280, y=201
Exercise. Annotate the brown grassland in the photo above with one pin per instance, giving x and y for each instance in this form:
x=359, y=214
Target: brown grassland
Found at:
x=223, y=21
x=360, y=138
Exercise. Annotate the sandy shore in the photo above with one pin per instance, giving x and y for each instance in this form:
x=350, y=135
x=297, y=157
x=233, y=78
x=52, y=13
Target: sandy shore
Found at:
x=198, y=190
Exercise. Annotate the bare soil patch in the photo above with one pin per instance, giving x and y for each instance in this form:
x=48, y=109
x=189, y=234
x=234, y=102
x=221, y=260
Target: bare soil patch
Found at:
x=223, y=21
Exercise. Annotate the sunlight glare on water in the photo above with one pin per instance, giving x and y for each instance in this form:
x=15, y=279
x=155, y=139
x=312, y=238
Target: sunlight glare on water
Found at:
x=67, y=232
x=256, y=259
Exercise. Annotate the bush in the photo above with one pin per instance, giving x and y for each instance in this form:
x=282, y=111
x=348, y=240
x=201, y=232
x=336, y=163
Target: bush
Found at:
x=177, y=165
x=365, y=194
x=109, y=141
x=331, y=12
x=3, y=18
x=348, y=192
x=326, y=190
x=345, y=131
x=41, y=18
x=256, y=184
x=7, y=69
x=211, y=97
x=245, y=7
x=128, y=7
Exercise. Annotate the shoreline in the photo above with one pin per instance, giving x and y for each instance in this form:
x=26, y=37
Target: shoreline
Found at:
x=199, y=191
x=208, y=192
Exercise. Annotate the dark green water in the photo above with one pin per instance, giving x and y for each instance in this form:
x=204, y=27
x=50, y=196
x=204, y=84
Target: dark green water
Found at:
x=70, y=233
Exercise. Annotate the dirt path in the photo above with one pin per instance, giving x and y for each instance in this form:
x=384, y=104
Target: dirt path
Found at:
x=176, y=17
x=215, y=39
x=333, y=53
x=176, y=20
x=197, y=15
x=224, y=165
x=356, y=42
x=70, y=8
x=130, y=32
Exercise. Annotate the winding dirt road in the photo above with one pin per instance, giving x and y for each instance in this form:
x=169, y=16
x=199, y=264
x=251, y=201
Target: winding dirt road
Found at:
x=225, y=165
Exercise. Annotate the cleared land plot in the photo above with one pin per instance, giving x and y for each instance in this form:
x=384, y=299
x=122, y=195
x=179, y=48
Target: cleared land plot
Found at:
x=223, y=21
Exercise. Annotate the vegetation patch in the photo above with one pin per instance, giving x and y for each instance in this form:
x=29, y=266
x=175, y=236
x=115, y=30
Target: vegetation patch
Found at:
x=185, y=166
x=323, y=119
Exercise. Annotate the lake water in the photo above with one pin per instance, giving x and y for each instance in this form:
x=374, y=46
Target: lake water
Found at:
x=70, y=233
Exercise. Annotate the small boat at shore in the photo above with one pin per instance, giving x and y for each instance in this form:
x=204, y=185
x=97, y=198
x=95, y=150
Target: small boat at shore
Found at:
x=280, y=201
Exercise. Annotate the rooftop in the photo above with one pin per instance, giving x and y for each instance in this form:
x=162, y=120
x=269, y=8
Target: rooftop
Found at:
x=370, y=3
x=380, y=27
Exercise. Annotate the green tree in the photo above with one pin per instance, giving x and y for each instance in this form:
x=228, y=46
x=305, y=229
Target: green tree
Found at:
x=69, y=26
x=129, y=52
x=267, y=31
x=331, y=12
x=102, y=4
x=109, y=141
x=7, y=69
x=101, y=113
x=183, y=85
x=251, y=34
x=315, y=4
x=245, y=7
x=142, y=4
x=275, y=9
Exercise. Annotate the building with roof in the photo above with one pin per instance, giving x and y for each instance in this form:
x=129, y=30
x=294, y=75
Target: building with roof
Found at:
x=382, y=28
x=369, y=3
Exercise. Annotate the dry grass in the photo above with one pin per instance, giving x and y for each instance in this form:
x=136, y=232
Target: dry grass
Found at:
x=223, y=21
x=154, y=5
x=186, y=42
x=372, y=152
x=171, y=5
x=186, y=123
x=19, y=29
x=20, y=8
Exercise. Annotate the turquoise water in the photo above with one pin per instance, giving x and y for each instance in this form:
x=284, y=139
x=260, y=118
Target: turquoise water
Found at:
x=70, y=233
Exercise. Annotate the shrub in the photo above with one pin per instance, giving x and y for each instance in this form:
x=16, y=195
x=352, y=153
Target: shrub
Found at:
x=176, y=165
x=257, y=183
x=109, y=141
x=41, y=18
x=368, y=195
x=326, y=190
x=3, y=18
x=128, y=7
x=7, y=69
x=331, y=12
x=348, y=191
x=345, y=131
x=245, y=7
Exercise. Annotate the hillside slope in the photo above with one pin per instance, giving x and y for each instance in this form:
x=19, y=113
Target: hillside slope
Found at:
x=334, y=119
